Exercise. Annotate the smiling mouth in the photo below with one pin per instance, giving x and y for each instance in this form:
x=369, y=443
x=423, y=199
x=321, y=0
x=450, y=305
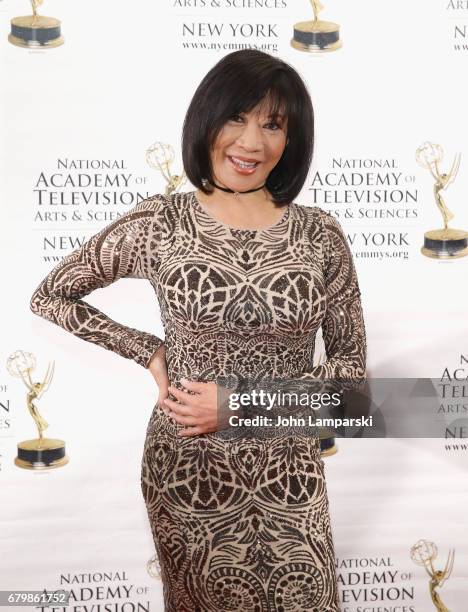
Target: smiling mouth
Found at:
x=243, y=164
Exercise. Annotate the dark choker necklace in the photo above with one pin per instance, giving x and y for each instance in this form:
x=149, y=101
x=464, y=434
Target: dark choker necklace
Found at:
x=232, y=190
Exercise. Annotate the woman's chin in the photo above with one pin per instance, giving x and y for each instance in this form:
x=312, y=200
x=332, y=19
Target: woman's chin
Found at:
x=238, y=182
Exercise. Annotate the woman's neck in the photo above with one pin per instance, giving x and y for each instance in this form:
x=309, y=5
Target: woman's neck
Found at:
x=249, y=209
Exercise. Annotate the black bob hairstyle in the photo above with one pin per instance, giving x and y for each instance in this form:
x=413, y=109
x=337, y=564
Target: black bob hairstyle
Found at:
x=236, y=84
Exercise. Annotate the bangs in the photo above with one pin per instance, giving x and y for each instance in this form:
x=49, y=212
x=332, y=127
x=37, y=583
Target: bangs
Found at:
x=272, y=96
x=274, y=99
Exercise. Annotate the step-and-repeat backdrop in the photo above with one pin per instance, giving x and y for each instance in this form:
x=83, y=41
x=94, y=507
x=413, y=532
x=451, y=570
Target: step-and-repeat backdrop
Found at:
x=77, y=120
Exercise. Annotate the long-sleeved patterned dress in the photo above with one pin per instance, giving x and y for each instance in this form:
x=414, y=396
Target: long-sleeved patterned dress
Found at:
x=239, y=524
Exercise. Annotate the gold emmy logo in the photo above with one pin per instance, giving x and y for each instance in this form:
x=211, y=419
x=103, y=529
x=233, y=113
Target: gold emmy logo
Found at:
x=35, y=31
x=316, y=36
x=443, y=243
x=160, y=156
x=424, y=553
x=40, y=453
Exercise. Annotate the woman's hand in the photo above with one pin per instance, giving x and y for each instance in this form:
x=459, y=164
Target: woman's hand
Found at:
x=199, y=412
x=158, y=368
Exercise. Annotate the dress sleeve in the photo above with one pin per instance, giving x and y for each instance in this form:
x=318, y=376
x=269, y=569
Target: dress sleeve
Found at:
x=126, y=248
x=343, y=326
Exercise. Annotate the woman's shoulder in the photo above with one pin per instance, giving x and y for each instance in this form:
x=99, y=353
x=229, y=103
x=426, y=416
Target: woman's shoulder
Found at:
x=317, y=216
x=163, y=209
x=152, y=203
x=173, y=202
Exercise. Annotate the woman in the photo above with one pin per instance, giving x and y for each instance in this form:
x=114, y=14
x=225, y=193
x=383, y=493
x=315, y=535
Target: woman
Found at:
x=244, y=277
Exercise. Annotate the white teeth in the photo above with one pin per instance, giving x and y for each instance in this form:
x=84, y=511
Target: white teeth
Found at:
x=243, y=164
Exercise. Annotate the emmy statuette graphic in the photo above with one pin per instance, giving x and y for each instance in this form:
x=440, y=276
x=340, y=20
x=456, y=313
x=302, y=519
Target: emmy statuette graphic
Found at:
x=327, y=442
x=39, y=453
x=443, y=243
x=316, y=36
x=424, y=553
x=35, y=31
x=160, y=156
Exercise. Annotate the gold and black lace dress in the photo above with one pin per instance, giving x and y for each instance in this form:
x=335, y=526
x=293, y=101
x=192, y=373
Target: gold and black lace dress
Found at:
x=239, y=524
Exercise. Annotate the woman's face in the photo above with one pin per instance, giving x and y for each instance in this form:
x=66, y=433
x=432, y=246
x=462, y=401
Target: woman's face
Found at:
x=247, y=148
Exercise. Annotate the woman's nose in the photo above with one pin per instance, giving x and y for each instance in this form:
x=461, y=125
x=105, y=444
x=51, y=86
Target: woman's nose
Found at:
x=251, y=137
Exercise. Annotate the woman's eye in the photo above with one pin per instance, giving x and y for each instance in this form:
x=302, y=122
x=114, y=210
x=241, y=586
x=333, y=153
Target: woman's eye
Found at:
x=271, y=125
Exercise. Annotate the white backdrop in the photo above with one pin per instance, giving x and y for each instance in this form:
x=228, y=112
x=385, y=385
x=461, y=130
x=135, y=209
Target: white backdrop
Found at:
x=122, y=80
